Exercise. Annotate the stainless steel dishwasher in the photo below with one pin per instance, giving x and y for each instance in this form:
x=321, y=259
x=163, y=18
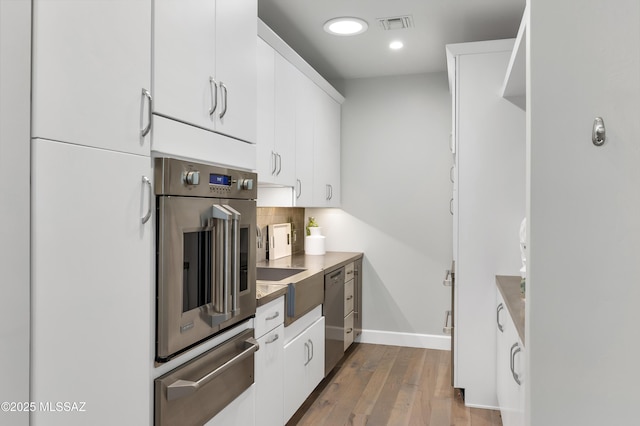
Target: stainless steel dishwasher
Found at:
x=333, y=311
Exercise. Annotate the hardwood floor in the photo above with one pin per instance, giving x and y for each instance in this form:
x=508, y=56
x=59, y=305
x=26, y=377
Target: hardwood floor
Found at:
x=391, y=385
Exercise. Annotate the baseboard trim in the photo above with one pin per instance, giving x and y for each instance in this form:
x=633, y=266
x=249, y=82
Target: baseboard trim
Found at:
x=412, y=340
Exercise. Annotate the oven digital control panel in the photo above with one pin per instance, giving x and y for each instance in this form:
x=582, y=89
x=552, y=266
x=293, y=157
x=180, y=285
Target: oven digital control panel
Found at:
x=179, y=177
x=216, y=179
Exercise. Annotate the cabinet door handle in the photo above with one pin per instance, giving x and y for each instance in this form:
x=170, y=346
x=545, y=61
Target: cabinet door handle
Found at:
x=447, y=329
x=146, y=95
x=447, y=279
x=279, y=164
x=273, y=339
x=274, y=163
x=451, y=174
x=275, y=315
x=307, y=352
x=330, y=192
x=299, y=188
x=311, y=344
x=350, y=297
x=147, y=182
x=500, y=326
x=349, y=331
x=451, y=207
x=225, y=99
x=213, y=87
x=515, y=375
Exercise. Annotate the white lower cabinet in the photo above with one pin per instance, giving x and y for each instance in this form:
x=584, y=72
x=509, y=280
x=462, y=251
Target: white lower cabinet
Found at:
x=509, y=368
x=269, y=371
x=91, y=285
x=304, y=366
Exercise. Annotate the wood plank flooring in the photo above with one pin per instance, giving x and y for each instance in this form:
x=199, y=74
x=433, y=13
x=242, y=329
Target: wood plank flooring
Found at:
x=390, y=385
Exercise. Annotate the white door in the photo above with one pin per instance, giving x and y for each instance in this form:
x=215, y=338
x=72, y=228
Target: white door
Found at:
x=285, y=120
x=269, y=378
x=235, y=46
x=91, y=285
x=326, y=149
x=305, y=91
x=266, y=159
x=584, y=210
x=184, y=61
x=91, y=62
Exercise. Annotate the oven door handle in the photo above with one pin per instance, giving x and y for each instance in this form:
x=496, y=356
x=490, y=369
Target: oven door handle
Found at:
x=221, y=306
x=181, y=388
x=235, y=257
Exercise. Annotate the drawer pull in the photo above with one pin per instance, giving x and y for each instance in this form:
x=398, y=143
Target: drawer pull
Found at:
x=273, y=339
x=350, y=297
x=181, y=388
x=447, y=329
x=350, y=331
x=274, y=316
x=447, y=279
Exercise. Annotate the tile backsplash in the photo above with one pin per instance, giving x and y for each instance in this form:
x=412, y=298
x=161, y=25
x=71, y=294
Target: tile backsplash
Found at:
x=272, y=215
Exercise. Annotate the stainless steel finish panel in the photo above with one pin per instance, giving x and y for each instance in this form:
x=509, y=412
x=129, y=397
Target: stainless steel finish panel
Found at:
x=333, y=311
x=196, y=391
x=349, y=331
x=357, y=309
x=276, y=274
x=302, y=296
x=171, y=175
x=177, y=330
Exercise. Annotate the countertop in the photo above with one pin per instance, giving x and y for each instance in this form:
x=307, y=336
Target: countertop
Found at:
x=509, y=287
x=314, y=264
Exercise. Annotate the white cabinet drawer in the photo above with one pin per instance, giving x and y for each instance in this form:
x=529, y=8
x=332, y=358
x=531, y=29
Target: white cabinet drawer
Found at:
x=348, y=297
x=269, y=316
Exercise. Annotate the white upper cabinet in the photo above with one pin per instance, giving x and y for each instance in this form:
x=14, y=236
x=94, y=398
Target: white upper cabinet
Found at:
x=326, y=152
x=236, y=31
x=266, y=160
x=204, y=69
x=91, y=63
x=276, y=117
x=298, y=128
x=184, y=61
x=305, y=116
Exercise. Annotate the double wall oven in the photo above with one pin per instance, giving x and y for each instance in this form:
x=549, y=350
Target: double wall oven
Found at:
x=205, y=269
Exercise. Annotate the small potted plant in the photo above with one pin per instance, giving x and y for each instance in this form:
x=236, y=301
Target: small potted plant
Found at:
x=312, y=227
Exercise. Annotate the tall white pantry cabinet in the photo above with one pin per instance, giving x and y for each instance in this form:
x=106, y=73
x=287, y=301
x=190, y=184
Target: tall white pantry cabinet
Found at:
x=91, y=298
x=488, y=206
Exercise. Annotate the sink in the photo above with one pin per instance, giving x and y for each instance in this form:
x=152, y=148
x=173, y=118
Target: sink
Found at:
x=276, y=274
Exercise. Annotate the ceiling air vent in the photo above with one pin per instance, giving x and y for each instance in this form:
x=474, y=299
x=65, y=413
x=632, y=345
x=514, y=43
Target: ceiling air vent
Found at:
x=396, y=22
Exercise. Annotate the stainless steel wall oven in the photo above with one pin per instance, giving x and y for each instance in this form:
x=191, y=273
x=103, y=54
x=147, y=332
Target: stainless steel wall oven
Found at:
x=206, y=239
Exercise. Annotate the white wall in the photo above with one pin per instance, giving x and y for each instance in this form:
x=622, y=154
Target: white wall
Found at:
x=583, y=288
x=395, y=200
x=15, y=41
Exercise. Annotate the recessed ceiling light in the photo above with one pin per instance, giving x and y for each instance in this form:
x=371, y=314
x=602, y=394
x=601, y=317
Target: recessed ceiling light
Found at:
x=395, y=45
x=345, y=26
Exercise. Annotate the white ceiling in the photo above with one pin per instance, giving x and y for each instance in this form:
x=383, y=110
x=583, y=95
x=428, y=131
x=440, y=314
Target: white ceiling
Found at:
x=436, y=23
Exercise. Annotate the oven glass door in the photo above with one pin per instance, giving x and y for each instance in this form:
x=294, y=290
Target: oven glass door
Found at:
x=205, y=269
